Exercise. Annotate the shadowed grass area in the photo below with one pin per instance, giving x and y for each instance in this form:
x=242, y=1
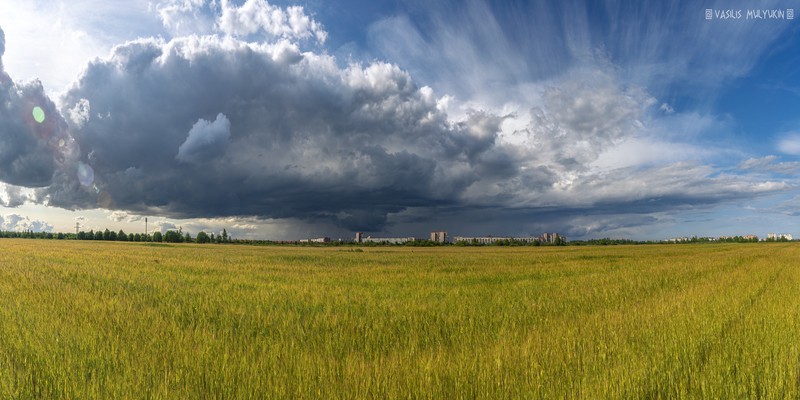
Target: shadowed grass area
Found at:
x=116, y=320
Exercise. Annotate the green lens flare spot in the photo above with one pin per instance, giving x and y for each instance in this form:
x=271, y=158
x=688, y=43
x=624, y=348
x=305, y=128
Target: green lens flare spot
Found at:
x=38, y=114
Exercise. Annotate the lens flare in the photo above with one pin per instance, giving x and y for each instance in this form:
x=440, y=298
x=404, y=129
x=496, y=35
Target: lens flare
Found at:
x=38, y=114
x=104, y=199
x=85, y=175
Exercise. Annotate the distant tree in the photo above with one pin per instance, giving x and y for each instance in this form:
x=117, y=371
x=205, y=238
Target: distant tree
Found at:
x=121, y=236
x=98, y=235
x=106, y=234
x=60, y=236
x=224, y=235
x=81, y=235
x=202, y=237
x=187, y=238
x=172, y=237
x=213, y=239
x=111, y=235
x=157, y=237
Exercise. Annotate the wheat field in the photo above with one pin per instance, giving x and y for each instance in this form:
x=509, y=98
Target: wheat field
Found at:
x=85, y=320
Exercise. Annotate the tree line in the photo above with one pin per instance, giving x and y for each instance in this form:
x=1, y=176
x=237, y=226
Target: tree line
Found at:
x=170, y=236
x=559, y=241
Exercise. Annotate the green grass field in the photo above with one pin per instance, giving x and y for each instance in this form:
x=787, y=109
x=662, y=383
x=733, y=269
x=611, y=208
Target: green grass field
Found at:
x=123, y=320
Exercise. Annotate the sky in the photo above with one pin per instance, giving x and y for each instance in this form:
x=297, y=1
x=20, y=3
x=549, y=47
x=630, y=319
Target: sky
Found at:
x=289, y=120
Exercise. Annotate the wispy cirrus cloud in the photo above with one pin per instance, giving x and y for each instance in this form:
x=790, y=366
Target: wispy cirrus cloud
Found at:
x=789, y=143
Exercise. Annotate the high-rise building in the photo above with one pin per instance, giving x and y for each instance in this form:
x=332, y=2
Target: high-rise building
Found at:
x=439, y=236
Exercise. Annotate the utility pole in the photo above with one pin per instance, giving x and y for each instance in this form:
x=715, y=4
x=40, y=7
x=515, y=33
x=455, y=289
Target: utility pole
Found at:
x=145, y=226
x=77, y=228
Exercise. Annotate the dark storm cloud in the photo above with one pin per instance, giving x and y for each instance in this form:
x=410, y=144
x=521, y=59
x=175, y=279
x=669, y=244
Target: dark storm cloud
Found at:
x=214, y=126
x=15, y=196
x=33, y=144
x=209, y=127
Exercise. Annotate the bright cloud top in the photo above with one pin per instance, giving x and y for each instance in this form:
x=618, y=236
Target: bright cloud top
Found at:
x=259, y=16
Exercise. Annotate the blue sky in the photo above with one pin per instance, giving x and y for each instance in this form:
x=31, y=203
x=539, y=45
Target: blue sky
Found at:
x=287, y=120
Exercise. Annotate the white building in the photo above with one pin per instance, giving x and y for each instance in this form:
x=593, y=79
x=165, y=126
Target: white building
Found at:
x=369, y=239
x=439, y=236
x=316, y=240
x=779, y=236
x=551, y=238
x=494, y=239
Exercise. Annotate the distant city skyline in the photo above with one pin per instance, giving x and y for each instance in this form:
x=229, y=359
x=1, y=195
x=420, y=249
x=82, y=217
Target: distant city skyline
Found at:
x=294, y=120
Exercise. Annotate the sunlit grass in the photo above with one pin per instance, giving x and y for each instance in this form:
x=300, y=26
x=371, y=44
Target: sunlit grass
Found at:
x=125, y=320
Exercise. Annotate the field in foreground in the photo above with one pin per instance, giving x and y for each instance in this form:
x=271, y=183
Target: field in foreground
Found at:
x=124, y=320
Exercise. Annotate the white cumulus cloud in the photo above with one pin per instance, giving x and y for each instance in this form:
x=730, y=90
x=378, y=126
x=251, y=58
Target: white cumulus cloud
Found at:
x=256, y=16
x=20, y=223
x=206, y=140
